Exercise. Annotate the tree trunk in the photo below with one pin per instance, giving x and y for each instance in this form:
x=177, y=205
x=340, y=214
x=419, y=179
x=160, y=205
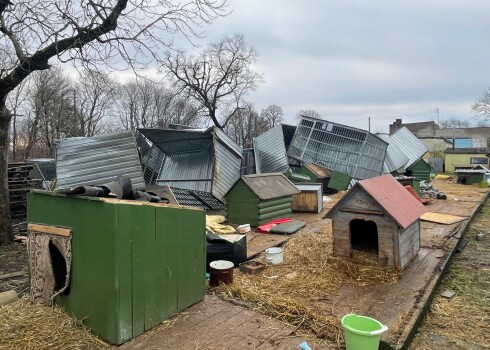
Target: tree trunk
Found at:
x=5, y=224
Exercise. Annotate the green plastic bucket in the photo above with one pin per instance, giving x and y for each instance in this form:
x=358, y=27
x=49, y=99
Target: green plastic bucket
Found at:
x=361, y=332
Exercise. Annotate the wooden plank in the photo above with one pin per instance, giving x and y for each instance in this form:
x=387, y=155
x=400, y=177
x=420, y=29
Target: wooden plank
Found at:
x=142, y=231
x=192, y=258
x=122, y=273
x=363, y=211
x=53, y=230
x=258, y=242
x=439, y=218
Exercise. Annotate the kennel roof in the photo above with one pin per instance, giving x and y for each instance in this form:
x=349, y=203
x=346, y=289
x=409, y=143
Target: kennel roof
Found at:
x=386, y=191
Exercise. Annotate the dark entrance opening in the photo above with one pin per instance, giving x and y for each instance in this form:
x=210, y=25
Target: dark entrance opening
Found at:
x=364, y=235
x=58, y=264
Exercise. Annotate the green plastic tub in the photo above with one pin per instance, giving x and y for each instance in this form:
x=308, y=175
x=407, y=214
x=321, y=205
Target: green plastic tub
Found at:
x=361, y=332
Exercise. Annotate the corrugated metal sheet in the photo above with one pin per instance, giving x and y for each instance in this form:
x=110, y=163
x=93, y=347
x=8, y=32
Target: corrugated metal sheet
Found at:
x=97, y=160
x=248, y=162
x=192, y=171
x=400, y=204
x=270, y=152
x=268, y=186
x=226, y=168
x=345, y=149
x=204, y=160
x=395, y=157
x=409, y=144
x=228, y=142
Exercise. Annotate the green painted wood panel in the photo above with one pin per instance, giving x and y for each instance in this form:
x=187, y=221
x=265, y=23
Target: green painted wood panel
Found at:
x=305, y=171
x=275, y=208
x=192, y=258
x=128, y=273
x=122, y=274
x=167, y=260
x=339, y=181
x=272, y=202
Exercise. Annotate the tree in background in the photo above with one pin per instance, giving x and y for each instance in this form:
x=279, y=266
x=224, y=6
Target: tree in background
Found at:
x=118, y=33
x=93, y=96
x=246, y=124
x=273, y=114
x=143, y=103
x=219, y=78
x=481, y=109
x=454, y=123
x=308, y=113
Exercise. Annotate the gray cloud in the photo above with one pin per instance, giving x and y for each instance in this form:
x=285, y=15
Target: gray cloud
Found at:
x=350, y=59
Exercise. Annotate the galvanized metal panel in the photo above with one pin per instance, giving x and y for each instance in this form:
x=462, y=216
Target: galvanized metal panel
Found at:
x=345, y=149
x=192, y=171
x=248, y=162
x=395, y=157
x=226, y=168
x=185, y=159
x=270, y=151
x=409, y=144
x=97, y=160
x=228, y=142
x=268, y=186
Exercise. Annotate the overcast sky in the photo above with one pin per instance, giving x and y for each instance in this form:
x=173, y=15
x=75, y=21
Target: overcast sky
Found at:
x=349, y=60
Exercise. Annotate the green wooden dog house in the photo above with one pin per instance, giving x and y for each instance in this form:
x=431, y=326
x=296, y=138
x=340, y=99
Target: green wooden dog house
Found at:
x=131, y=265
x=259, y=198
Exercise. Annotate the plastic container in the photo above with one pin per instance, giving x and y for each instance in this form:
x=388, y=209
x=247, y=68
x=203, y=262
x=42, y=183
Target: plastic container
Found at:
x=244, y=228
x=361, y=332
x=221, y=272
x=274, y=255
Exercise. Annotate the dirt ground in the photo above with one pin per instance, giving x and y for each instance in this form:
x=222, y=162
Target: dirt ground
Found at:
x=14, y=258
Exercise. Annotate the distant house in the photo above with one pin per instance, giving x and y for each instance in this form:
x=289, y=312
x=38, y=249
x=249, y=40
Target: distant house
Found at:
x=449, y=146
x=466, y=156
x=381, y=216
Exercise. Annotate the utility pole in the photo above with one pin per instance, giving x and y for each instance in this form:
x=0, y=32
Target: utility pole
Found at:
x=437, y=110
x=369, y=124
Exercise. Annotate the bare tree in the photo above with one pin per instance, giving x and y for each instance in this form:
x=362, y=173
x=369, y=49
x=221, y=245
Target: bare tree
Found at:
x=273, y=114
x=52, y=111
x=308, y=113
x=454, y=123
x=142, y=103
x=481, y=107
x=93, y=96
x=117, y=33
x=246, y=124
x=219, y=78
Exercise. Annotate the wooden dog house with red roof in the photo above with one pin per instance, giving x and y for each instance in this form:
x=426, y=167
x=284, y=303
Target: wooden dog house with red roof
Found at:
x=378, y=214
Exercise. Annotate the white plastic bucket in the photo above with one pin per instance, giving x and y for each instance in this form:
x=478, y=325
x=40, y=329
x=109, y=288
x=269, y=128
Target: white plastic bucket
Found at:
x=244, y=228
x=274, y=255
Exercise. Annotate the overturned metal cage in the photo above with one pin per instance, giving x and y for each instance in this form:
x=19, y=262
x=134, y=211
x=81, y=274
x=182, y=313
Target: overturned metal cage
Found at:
x=348, y=150
x=204, y=160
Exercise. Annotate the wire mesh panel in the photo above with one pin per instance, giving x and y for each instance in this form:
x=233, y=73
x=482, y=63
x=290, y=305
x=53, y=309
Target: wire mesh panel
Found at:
x=348, y=150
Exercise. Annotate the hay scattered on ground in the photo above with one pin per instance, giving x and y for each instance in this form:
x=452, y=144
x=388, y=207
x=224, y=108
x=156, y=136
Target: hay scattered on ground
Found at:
x=310, y=273
x=32, y=326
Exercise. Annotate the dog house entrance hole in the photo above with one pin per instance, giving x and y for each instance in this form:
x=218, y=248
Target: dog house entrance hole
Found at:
x=364, y=235
x=58, y=264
